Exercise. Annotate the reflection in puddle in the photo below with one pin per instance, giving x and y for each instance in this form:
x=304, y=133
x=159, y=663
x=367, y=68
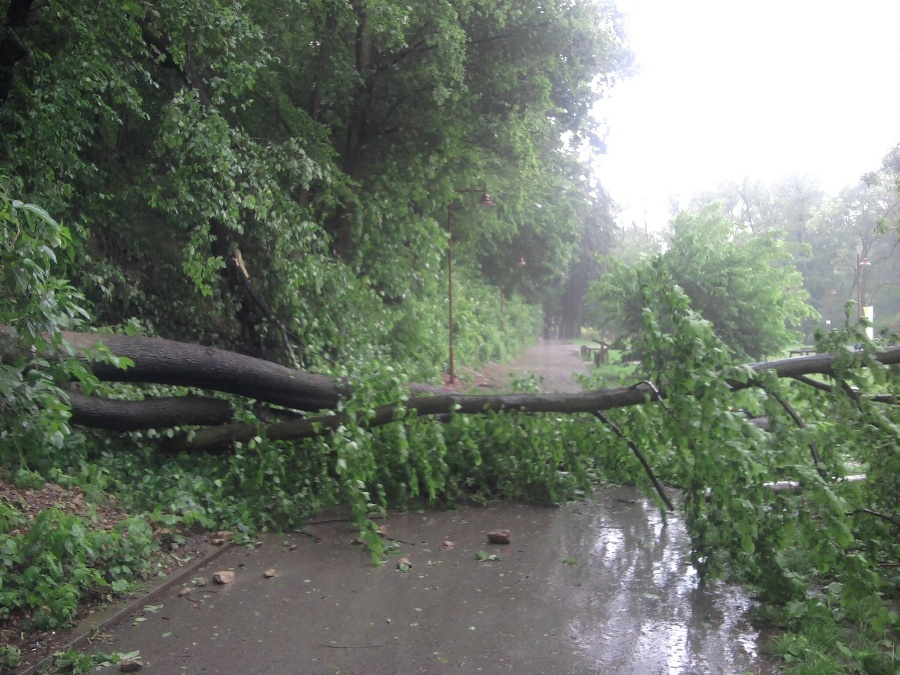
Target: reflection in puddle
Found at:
x=609, y=544
x=639, y=608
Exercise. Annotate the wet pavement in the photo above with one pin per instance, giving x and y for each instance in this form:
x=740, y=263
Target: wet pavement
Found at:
x=552, y=362
x=593, y=587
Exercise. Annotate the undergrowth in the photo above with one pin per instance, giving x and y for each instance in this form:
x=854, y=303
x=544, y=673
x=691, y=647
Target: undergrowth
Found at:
x=53, y=564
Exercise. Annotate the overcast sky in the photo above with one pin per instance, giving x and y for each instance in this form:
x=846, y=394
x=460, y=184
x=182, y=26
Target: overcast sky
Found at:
x=763, y=89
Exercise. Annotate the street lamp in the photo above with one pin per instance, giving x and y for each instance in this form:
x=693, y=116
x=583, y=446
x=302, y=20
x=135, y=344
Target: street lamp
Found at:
x=860, y=263
x=484, y=201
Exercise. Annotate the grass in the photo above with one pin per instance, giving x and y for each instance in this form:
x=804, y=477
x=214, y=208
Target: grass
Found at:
x=816, y=643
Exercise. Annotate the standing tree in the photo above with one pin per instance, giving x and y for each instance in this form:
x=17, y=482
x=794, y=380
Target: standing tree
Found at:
x=745, y=285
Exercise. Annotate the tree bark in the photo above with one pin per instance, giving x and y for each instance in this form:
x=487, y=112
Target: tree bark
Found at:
x=161, y=361
x=155, y=413
x=470, y=404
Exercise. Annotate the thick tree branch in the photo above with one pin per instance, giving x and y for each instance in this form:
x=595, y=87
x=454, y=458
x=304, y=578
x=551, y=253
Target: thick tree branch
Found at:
x=430, y=405
x=589, y=402
x=156, y=413
x=162, y=361
x=236, y=266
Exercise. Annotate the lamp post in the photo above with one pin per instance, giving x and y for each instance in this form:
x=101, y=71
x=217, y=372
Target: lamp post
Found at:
x=500, y=277
x=860, y=263
x=484, y=201
x=522, y=276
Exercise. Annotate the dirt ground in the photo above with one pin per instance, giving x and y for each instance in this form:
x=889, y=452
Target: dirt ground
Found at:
x=35, y=646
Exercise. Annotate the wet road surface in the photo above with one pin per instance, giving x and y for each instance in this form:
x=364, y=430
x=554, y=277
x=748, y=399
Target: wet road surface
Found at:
x=553, y=362
x=594, y=587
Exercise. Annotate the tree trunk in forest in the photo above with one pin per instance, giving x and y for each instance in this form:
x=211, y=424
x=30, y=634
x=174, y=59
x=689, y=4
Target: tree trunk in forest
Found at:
x=572, y=305
x=341, y=223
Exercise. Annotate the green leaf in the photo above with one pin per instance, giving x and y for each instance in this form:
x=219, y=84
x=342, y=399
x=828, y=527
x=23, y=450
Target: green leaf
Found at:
x=747, y=545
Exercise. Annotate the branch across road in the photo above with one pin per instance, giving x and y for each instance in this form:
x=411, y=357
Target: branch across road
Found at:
x=160, y=361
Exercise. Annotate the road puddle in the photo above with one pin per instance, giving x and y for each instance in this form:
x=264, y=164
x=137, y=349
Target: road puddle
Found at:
x=639, y=607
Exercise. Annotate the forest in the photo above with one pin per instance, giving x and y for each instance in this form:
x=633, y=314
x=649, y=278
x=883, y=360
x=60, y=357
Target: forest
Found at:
x=248, y=246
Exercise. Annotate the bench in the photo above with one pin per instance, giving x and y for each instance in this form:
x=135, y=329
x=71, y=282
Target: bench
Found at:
x=600, y=353
x=802, y=351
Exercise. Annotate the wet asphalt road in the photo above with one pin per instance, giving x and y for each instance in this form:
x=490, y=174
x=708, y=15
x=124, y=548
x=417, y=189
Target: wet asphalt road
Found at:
x=594, y=587
x=554, y=363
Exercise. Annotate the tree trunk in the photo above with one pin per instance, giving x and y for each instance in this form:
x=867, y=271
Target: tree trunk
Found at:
x=155, y=413
x=162, y=361
x=473, y=404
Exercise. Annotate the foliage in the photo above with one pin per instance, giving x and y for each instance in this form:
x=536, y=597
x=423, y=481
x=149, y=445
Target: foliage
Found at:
x=58, y=559
x=324, y=143
x=802, y=549
x=746, y=287
x=889, y=176
x=36, y=306
x=324, y=150
x=853, y=221
x=817, y=550
x=826, y=235
x=10, y=656
x=72, y=661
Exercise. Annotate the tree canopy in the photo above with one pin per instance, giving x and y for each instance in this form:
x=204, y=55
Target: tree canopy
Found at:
x=746, y=286
x=827, y=235
x=276, y=177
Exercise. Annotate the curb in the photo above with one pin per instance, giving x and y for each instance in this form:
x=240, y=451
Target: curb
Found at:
x=116, y=613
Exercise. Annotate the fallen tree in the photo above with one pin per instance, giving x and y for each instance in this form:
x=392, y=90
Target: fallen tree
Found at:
x=160, y=361
x=153, y=413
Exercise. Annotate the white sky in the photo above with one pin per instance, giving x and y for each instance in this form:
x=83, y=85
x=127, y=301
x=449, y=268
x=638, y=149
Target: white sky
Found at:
x=762, y=89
